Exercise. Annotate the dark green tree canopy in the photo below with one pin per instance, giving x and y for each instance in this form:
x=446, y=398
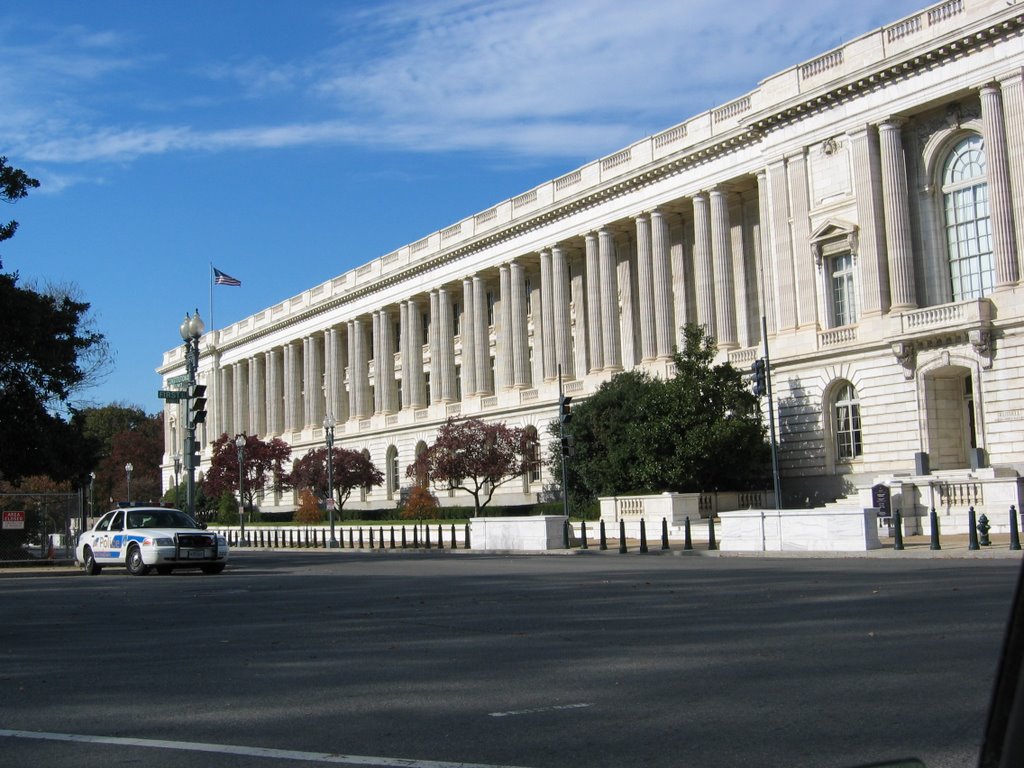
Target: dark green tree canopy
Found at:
x=698, y=431
x=14, y=185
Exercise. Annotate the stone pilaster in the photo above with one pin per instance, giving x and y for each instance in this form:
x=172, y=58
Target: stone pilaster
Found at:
x=897, y=216
x=871, y=252
x=997, y=168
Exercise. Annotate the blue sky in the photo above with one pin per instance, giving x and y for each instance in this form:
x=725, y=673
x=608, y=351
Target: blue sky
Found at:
x=287, y=142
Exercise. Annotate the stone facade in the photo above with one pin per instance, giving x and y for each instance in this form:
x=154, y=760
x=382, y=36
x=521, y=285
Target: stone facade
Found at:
x=865, y=207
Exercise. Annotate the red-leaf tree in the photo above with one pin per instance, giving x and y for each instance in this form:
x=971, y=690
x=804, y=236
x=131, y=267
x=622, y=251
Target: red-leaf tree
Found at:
x=475, y=456
x=262, y=463
x=351, y=470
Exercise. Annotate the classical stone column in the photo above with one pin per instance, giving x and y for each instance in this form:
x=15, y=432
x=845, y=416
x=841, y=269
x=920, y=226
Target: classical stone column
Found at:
x=1013, y=115
x=871, y=254
x=595, y=339
x=386, y=363
x=359, y=375
x=417, y=390
x=434, y=347
x=545, y=340
x=561, y=322
x=664, y=317
x=645, y=287
x=468, y=339
x=257, y=396
x=997, y=168
x=520, y=341
x=275, y=391
x=313, y=380
x=897, y=216
x=240, y=395
x=506, y=365
x=334, y=365
x=375, y=358
x=725, y=290
x=444, y=369
x=612, y=348
x=482, y=337
x=403, y=349
x=704, y=264
x=225, y=400
x=292, y=387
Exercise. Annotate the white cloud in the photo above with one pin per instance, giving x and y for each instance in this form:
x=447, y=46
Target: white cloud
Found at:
x=573, y=79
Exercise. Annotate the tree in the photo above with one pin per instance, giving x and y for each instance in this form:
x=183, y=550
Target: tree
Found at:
x=418, y=504
x=119, y=434
x=475, y=456
x=352, y=469
x=45, y=340
x=697, y=431
x=263, y=463
x=14, y=185
x=309, y=508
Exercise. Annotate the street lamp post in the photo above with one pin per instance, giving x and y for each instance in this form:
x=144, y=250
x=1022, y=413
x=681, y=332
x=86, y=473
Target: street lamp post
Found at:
x=329, y=439
x=191, y=330
x=240, y=445
x=128, y=471
x=177, y=468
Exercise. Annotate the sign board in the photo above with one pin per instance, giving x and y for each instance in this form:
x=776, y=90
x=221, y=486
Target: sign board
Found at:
x=881, y=498
x=172, y=395
x=330, y=504
x=14, y=521
x=178, y=381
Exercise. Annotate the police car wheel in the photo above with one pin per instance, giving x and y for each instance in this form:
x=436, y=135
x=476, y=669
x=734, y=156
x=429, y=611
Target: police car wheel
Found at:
x=135, y=564
x=91, y=567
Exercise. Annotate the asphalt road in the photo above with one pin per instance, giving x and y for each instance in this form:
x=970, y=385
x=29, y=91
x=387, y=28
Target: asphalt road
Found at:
x=428, y=660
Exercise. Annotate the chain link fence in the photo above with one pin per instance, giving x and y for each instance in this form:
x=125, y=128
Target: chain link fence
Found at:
x=39, y=527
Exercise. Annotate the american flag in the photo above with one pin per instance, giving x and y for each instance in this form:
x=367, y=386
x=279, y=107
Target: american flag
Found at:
x=220, y=278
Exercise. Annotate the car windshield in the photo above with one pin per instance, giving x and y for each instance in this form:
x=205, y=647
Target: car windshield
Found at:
x=160, y=518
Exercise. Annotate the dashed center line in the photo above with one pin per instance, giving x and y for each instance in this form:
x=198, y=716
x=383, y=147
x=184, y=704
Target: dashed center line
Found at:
x=537, y=710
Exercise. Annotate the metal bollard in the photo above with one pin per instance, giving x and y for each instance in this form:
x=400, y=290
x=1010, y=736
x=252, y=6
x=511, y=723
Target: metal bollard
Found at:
x=664, y=533
x=935, y=531
x=404, y=542
x=712, y=544
x=604, y=538
x=440, y=537
x=1014, y=531
x=426, y=537
x=583, y=534
x=351, y=544
x=972, y=530
x=360, y=537
x=392, y=537
x=897, y=521
x=643, y=535
x=454, y=544
x=566, y=540
x=622, y=537
x=687, y=538
x=466, y=542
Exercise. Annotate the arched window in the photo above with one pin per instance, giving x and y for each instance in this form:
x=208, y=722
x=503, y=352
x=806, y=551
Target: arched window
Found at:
x=534, y=459
x=847, y=423
x=392, y=471
x=968, y=226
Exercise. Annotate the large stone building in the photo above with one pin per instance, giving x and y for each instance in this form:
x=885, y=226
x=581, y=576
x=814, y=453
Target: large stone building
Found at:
x=865, y=207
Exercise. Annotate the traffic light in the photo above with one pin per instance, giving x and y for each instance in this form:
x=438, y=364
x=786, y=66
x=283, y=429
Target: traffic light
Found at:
x=567, y=445
x=759, y=378
x=197, y=404
x=564, y=410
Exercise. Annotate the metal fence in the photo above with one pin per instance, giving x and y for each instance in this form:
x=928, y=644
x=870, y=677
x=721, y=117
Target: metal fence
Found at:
x=39, y=526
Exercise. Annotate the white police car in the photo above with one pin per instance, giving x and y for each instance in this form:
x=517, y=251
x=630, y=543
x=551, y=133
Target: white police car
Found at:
x=141, y=538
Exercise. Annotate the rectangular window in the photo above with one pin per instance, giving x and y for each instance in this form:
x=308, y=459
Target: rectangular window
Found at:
x=844, y=308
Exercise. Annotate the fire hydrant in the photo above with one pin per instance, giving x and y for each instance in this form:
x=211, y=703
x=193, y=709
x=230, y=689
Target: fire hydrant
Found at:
x=983, y=528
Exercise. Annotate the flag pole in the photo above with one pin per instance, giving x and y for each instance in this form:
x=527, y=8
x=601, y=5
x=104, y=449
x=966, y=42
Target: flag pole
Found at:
x=212, y=324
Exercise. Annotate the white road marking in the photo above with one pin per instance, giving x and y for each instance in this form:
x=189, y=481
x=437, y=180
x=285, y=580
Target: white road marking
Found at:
x=539, y=709
x=232, y=749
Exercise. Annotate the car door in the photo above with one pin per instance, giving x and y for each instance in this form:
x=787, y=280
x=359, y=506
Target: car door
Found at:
x=117, y=538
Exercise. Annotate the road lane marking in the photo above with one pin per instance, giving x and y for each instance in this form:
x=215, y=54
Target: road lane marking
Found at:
x=234, y=749
x=554, y=708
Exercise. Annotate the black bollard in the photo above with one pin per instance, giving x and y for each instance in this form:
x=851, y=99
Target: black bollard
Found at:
x=712, y=544
x=1014, y=532
x=466, y=542
x=935, y=531
x=897, y=522
x=566, y=541
x=583, y=534
x=426, y=537
x=972, y=529
x=687, y=538
x=440, y=537
x=381, y=531
x=416, y=536
x=454, y=545
x=664, y=533
x=351, y=543
x=360, y=537
x=371, y=538
x=604, y=538
x=622, y=537
x=643, y=535
x=392, y=537
x=404, y=542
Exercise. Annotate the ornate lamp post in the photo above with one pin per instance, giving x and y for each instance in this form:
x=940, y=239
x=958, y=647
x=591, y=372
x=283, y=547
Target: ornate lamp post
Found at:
x=240, y=445
x=191, y=330
x=329, y=439
x=128, y=471
x=177, y=468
